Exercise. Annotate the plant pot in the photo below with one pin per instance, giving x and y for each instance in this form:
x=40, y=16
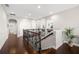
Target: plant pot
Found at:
x=70, y=43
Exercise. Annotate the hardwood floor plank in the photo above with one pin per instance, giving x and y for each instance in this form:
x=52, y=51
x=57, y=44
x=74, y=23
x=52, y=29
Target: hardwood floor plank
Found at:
x=13, y=45
x=64, y=49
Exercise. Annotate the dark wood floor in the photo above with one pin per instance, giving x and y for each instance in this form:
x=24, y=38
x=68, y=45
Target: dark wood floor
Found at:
x=15, y=45
x=64, y=49
x=32, y=51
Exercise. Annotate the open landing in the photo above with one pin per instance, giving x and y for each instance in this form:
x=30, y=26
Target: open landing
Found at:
x=15, y=45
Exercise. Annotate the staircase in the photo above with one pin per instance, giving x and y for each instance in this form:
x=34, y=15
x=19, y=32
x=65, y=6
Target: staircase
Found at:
x=15, y=45
x=63, y=49
x=33, y=42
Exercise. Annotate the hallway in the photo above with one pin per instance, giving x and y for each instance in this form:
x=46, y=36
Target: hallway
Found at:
x=45, y=28
x=13, y=45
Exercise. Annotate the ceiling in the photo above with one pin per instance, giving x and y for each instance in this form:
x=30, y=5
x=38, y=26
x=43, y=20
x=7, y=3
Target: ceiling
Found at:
x=37, y=10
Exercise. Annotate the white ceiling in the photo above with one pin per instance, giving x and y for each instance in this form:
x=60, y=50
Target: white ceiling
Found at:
x=24, y=10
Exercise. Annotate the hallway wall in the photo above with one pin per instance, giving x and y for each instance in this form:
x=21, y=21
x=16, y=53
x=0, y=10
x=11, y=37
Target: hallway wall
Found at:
x=3, y=27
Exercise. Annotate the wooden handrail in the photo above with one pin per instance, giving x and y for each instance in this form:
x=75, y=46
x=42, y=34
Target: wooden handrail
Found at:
x=33, y=32
x=44, y=37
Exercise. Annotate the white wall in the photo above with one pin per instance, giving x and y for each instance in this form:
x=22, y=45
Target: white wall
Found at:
x=69, y=18
x=66, y=19
x=3, y=27
x=59, y=39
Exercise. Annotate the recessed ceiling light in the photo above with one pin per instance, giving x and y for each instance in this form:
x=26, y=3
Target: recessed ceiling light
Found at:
x=12, y=13
x=39, y=6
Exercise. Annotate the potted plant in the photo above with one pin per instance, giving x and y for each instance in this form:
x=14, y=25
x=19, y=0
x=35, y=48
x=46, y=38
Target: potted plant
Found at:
x=69, y=35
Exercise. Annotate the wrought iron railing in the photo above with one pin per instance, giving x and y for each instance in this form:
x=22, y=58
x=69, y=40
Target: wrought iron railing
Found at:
x=33, y=36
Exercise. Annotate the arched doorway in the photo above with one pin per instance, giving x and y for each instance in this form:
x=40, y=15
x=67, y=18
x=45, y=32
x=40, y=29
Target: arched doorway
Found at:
x=12, y=25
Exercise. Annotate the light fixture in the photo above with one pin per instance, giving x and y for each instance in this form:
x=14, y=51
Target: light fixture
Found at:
x=12, y=13
x=39, y=6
